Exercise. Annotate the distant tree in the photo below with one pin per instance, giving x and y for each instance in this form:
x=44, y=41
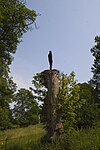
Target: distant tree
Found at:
x=95, y=81
x=40, y=92
x=26, y=110
x=86, y=92
x=88, y=114
x=69, y=100
x=39, y=89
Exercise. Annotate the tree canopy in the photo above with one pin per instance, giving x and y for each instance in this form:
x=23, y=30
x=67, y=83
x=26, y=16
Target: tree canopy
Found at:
x=96, y=68
x=26, y=108
x=69, y=99
x=15, y=20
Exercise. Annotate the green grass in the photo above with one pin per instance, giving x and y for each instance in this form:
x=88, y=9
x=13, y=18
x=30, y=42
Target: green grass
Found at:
x=19, y=132
x=29, y=139
x=76, y=140
x=21, y=137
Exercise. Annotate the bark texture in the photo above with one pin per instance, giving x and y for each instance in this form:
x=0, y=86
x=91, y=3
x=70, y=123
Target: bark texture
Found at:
x=51, y=81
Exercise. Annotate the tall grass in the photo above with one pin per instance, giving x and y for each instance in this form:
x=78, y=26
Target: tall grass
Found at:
x=21, y=138
x=29, y=139
x=75, y=140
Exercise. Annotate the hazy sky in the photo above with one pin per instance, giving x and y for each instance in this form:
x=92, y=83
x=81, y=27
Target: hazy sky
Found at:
x=68, y=28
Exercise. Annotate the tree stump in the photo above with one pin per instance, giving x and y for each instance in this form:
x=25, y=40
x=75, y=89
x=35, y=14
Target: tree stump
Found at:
x=51, y=82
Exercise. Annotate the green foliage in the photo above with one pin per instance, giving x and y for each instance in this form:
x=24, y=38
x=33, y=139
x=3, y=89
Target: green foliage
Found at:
x=26, y=110
x=69, y=99
x=39, y=89
x=40, y=92
x=5, y=122
x=7, y=86
x=96, y=69
x=15, y=20
x=88, y=114
x=7, y=89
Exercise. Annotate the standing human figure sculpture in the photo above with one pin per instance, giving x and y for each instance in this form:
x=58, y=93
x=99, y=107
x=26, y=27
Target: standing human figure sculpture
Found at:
x=50, y=59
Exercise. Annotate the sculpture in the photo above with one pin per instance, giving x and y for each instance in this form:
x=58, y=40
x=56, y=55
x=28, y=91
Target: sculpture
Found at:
x=50, y=59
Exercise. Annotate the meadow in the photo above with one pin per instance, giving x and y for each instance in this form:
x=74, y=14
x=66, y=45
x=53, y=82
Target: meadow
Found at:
x=21, y=138
x=29, y=138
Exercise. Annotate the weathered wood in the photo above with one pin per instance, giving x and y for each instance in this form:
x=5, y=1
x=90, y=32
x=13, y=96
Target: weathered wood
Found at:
x=51, y=81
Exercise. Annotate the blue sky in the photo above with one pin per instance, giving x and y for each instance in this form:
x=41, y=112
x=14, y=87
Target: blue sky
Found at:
x=68, y=28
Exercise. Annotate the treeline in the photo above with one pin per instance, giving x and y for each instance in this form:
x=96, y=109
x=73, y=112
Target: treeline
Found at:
x=79, y=103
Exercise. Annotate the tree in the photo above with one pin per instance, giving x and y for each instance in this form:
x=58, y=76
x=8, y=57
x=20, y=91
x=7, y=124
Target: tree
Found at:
x=69, y=100
x=7, y=89
x=5, y=118
x=39, y=89
x=15, y=20
x=26, y=110
x=95, y=82
x=88, y=114
x=40, y=92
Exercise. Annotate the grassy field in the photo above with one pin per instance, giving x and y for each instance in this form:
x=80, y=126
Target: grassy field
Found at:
x=29, y=139
x=21, y=137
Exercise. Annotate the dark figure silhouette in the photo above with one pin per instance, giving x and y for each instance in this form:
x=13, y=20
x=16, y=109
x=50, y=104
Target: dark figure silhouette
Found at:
x=50, y=59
